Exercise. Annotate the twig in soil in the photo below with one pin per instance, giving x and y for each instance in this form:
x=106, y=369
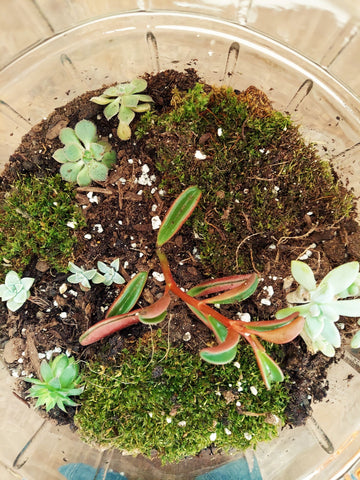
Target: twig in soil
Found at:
x=105, y=191
x=39, y=301
x=285, y=239
x=244, y=240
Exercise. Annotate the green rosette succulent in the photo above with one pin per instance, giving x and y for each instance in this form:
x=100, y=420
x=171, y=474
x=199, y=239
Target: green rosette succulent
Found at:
x=83, y=158
x=60, y=380
x=124, y=100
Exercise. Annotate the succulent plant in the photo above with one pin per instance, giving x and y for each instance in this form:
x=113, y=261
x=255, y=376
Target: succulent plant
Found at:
x=110, y=273
x=124, y=100
x=60, y=380
x=321, y=305
x=82, y=276
x=15, y=290
x=84, y=158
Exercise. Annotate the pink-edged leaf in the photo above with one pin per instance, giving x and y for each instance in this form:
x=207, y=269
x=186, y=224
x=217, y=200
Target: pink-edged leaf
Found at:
x=156, y=312
x=129, y=296
x=224, y=352
x=108, y=326
x=269, y=369
x=236, y=294
x=223, y=284
x=219, y=330
x=178, y=213
x=276, y=331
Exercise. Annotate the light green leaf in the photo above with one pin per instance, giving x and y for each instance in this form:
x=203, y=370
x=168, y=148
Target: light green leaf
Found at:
x=138, y=85
x=86, y=131
x=126, y=115
x=46, y=372
x=73, y=152
x=129, y=296
x=303, y=274
x=68, y=136
x=270, y=370
x=97, y=171
x=340, y=278
x=314, y=326
x=111, y=109
x=60, y=156
x=83, y=178
x=355, y=342
x=331, y=334
x=130, y=100
x=101, y=100
x=347, y=308
x=124, y=131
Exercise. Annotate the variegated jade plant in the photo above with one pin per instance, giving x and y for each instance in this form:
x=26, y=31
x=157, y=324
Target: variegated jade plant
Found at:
x=199, y=299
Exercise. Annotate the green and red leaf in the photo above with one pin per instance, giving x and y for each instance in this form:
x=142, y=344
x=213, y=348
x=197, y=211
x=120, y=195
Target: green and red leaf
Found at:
x=275, y=331
x=224, y=352
x=108, y=326
x=178, y=213
x=245, y=286
x=129, y=296
x=156, y=312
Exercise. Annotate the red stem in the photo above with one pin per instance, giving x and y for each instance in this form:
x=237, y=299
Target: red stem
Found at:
x=198, y=304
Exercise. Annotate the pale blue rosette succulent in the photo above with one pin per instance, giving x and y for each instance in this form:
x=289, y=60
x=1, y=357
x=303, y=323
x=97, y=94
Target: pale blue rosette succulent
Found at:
x=15, y=291
x=321, y=305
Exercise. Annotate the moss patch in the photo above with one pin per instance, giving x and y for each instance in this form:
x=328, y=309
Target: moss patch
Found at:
x=33, y=222
x=258, y=176
x=165, y=399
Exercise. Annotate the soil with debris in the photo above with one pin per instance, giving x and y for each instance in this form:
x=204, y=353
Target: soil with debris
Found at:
x=118, y=213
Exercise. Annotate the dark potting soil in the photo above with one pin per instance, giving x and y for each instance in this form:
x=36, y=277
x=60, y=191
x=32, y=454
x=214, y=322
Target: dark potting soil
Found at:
x=118, y=215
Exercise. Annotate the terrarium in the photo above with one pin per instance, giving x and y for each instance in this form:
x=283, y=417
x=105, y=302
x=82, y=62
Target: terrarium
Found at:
x=115, y=50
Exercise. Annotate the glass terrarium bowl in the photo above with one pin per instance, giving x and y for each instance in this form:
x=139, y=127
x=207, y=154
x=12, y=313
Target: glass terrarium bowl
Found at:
x=116, y=49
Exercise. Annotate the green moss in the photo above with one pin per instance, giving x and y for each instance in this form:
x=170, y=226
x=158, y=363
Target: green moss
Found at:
x=259, y=177
x=128, y=405
x=33, y=222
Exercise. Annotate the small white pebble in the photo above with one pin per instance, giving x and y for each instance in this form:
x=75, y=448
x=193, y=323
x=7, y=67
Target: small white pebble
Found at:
x=122, y=180
x=161, y=192
x=87, y=236
x=265, y=301
x=62, y=288
x=67, y=353
x=182, y=423
x=246, y=191
x=20, y=360
x=131, y=161
x=159, y=276
x=227, y=431
x=237, y=364
x=74, y=293
x=71, y=224
x=238, y=404
x=212, y=437
x=92, y=198
x=154, y=208
x=98, y=227
x=248, y=436
x=310, y=213
x=244, y=317
x=15, y=374
x=155, y=222
x=133, y=245
x=141, y=254
x=218, y=393
x=253, y=390
x=41, y=355
x=150, y=414
x=219, y=131
x=187, y=336
x=55, y=303
x=63, y=315
x=126, y=264
x=168, y=419
x=199, y=155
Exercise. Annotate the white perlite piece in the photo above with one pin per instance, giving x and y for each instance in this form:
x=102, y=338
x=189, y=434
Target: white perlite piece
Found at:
x=187, y=336
x=158, y=276
x=98, y=227
x=212, y=437
x=253, y=390
x=248, y=436
x=199, y=155
x=146, y=179
x=155, y=222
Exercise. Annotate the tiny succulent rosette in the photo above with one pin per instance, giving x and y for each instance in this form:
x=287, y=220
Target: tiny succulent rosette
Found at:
x=82, y=276
x=321, y=305
x=15, y=291
x=124, y=100
x=60, y=380
x=83, y=158
x=110, y=273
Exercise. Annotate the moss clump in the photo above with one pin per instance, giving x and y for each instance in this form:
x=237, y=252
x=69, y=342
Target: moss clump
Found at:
x=164, y=398
x=33, y=222
x=258, y=176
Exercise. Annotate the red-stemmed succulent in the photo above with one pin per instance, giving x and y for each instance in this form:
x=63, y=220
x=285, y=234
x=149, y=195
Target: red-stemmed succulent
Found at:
x=226, y=290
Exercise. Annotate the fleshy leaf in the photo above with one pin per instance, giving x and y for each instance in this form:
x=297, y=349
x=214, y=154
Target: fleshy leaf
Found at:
x=124, y=131
x=156, y=312
x=178, y=213
x=355, y=342
x=108, y=326
x=303, y=274
x=126, y=115
x=347, y=308
x=270, y=370
x=69, y=171
x=112, y=109
x=340, y=278
x=129, y=296
x=86, y=131
x=224, y=352
x=67, y=136
x=276, y=331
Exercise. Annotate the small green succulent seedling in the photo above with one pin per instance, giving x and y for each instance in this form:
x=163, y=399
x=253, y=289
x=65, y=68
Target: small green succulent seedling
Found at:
x=15, y=291
x=60, y=380
x=82, y=276
x=110, y=273
x=124, y=100
x=84, y=158
x=321, y=305
x=225, y=290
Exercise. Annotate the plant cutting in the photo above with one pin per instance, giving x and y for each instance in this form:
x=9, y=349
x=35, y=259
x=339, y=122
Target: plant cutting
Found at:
x=245, y=214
